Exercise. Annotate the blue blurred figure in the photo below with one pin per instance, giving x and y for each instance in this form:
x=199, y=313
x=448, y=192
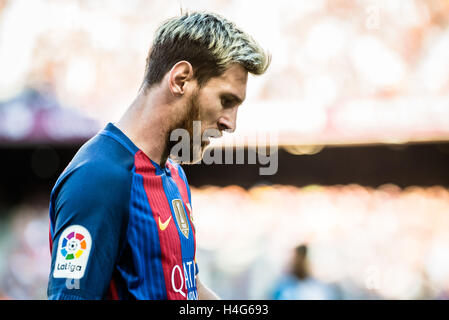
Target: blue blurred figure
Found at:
x=299, y=285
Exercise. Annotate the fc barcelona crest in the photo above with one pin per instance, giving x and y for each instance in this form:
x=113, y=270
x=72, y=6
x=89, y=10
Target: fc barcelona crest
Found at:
x=181, y=218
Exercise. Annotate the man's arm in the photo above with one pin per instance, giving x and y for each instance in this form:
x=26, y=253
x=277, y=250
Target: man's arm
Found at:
x=204, y=293
x=89, y=224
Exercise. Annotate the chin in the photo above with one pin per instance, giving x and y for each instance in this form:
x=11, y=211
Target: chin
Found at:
x=198, y=156
x=195, y=156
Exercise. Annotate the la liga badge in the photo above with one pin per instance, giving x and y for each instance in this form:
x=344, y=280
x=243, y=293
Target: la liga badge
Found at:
x=73, y=252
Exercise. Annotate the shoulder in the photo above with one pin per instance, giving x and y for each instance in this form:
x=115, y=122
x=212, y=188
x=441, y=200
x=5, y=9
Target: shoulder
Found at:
x=95, y=184
x=94, y=195
x=104, y=175
x=100, y=169
x=95, y=181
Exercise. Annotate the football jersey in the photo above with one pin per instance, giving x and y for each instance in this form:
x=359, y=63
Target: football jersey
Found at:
x=121, y=225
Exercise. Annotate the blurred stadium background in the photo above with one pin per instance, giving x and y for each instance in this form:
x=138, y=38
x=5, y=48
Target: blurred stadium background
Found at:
x=358, y=93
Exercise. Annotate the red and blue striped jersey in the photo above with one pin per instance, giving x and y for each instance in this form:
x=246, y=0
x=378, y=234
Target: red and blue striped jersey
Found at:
x=121, y=225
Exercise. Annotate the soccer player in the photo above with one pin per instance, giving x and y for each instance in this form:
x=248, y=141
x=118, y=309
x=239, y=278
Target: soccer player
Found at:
x=121, y=223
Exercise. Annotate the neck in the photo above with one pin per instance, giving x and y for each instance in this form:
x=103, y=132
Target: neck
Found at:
x=147, y=124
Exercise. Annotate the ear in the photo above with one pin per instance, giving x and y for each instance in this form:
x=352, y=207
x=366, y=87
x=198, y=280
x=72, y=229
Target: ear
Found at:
x=178, y=77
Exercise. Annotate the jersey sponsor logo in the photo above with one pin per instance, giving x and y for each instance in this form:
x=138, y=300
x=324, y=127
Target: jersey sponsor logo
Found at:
x=73, y=253
x=164, y=225
x=183, y=280
x=181, y=217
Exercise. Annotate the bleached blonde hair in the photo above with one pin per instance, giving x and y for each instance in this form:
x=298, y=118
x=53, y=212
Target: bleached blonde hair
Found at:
x=209, y=42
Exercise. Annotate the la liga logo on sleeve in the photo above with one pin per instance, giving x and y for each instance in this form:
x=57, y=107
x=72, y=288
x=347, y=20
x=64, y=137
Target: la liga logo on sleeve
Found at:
x=73, y=253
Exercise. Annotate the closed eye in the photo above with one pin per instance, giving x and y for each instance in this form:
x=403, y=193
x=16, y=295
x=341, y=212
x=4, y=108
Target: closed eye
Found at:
x=226, y=103
x=230, y=100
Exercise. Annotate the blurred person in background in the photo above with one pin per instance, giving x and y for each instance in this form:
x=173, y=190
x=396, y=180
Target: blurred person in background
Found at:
x=300, y=285
x=121, y=224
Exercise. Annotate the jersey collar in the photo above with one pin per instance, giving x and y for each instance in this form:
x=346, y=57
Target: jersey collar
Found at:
x=114, y=132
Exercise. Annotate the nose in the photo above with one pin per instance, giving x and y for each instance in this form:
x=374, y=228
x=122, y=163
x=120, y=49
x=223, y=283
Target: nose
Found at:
x=228, y=121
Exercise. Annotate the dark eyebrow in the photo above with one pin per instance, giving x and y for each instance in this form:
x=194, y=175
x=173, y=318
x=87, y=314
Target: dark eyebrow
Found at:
x=233, y=97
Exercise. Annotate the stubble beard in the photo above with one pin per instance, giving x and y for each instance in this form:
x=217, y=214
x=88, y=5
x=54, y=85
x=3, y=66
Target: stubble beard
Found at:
x=186, y=122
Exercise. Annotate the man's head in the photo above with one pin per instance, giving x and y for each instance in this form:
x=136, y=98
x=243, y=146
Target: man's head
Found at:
x=299, y=264
x=202, y=60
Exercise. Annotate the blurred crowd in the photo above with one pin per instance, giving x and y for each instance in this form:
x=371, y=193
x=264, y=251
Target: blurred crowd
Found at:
x=24, y=252
x=342, y=71
x=371, y=243
x=361, y=243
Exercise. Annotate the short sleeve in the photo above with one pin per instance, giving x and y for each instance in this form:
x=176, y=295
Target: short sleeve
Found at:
x=89, y=212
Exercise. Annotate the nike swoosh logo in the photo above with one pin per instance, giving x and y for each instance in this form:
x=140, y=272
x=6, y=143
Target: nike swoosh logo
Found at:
x=164, y=225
